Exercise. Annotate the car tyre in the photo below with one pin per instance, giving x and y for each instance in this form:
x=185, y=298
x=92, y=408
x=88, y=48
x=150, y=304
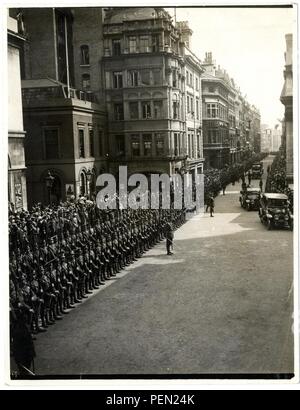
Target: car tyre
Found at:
x=269, y=224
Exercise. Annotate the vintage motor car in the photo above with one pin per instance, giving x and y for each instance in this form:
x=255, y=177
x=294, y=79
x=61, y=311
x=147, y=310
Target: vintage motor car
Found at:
x=274, y=211
x=257, y=170
x=249, y=199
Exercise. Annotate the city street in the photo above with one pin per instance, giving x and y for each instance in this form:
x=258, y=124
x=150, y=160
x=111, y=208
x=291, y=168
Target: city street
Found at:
x=221, y=304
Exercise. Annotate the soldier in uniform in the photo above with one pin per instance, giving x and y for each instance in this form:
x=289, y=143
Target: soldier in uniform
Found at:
x=169, y=239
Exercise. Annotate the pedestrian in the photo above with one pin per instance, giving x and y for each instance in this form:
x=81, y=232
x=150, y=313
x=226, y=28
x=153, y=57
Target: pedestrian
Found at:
x=169, y=239
x=261, y=184
x=223, y=188
x=212, y=206
x=249, y=178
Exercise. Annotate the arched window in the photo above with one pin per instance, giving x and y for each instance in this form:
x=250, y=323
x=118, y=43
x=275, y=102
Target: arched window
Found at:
x=85, y=57
x=83, y=189
x=86, y=81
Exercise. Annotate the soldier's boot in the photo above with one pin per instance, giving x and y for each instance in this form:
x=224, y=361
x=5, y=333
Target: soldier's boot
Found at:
x=87, y=291
x=69, y=304
x=48, y=318
x=57, y=315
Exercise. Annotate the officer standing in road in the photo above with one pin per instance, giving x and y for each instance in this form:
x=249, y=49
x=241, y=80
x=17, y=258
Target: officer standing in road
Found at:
x=169, y=239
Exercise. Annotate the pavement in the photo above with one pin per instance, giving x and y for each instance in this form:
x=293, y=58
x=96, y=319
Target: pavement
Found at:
x=222, y=303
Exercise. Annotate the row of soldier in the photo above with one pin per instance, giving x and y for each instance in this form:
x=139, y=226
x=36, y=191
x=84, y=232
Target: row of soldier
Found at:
x=58, y=256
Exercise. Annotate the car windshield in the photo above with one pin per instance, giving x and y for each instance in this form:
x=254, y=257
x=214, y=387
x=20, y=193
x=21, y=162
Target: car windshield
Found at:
x=276, y=203
x=256, y=167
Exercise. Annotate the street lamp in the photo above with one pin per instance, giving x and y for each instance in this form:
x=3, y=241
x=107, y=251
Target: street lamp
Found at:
x=89, y=178
x=49, y=179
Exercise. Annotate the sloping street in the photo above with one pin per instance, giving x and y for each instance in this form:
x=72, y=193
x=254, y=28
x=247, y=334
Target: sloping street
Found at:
x=221, y=304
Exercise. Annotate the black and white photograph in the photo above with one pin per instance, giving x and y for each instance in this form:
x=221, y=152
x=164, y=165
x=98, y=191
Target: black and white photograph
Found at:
x=151, y=192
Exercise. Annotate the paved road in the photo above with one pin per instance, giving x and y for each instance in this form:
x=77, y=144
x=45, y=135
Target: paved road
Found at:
x=221, y=304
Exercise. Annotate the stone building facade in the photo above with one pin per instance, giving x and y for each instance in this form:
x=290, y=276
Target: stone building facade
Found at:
x=231, y=126
x=148, y=71
x=66, y=126
x=287, y=100
x=17, y=192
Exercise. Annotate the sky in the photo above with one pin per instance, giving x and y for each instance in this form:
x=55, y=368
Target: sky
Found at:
x=249, y=43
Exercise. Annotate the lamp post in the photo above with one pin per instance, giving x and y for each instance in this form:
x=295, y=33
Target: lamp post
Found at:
x=89, y=178
x=49, y=184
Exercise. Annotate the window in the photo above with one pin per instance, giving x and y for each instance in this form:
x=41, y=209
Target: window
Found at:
x=135, y=145
x=145, y=77
x=118, y=79
x=100, y=143
x=157, y=77
x=155, y=43
x=133, y=110
x=197, y=109
x=212, y=110
x=51, y=143
x=132, y=44
x=174, y=77
x=119, y=112
x=188, y=103
x=84, y=53
x=158, y=109
x=146, y=109
x=159, y=144
x=116, y=46
x=175, y=110
x=147, y=141
x=91, y=141
x=81, y=143
x=197, y=84
x=187, y=77
x=133, y=78
x=191, y=79
x=120, y=144
x=86, y=82
x=176, y=144
x=144, y=44
x=192, y=105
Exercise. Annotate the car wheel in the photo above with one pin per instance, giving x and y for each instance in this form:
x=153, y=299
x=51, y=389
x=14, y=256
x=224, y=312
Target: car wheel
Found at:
x=269, y=224
x=291, y=226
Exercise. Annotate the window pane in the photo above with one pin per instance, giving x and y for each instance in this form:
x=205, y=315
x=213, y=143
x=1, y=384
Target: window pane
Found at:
x=157, y=77
x=91, y=135
x=133, y=110
x=120, y=144
x=158, y=108
x=144, y=44
x=119, y=113
x=51, y=143
x=133, y=78
x=135, y=145
x=132, y=44
x=85, y=58
x=118, y=79
x=116, y=47
x=81, y=143
x=146, y=107
x=147, y=141
x=159, y=144
x=86, y=81
x=145, y=77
